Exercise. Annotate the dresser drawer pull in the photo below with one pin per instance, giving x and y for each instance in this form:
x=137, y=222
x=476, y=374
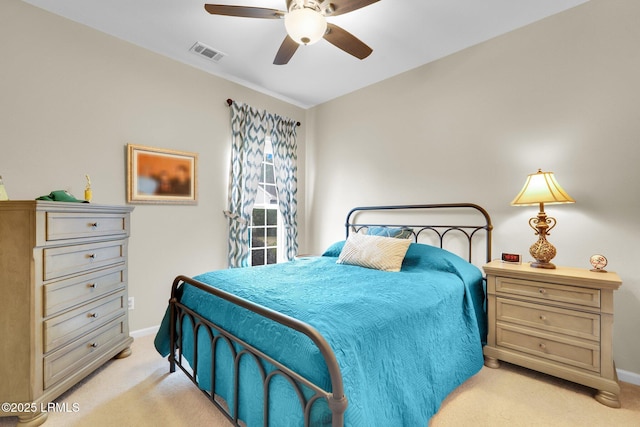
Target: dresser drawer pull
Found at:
x=542, y=346
x=91, y=256
x=93, y=224
x=94, y=315
x=543, y=318
x=542, y=291
x=92, y=285
x=94, y=345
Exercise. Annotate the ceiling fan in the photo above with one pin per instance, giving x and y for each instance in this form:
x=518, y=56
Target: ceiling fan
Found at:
x=305, y=22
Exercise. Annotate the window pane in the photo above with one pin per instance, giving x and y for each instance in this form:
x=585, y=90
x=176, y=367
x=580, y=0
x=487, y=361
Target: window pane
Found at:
x=271, y=193
x=272, y=236
x=269, y=176
x=272, y=256
x=264, y=221
x=272, y=217
x=257, y=257
x=257, y=238
x=258, y=217
x=263, y=172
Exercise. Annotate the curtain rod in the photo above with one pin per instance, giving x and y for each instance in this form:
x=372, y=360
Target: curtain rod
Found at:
x=230, y=101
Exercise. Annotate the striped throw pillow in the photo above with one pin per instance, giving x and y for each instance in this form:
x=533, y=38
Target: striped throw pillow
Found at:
x=378, y=252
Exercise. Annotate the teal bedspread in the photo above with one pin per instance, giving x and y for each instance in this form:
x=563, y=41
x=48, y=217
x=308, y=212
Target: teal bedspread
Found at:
x=403, y=340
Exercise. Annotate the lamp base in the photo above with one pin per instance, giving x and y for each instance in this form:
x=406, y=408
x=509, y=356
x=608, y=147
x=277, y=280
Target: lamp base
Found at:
x=543, y=252
x=538, y=264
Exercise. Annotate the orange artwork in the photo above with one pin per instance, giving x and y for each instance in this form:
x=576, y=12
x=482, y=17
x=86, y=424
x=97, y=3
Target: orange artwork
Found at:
x=161, y=176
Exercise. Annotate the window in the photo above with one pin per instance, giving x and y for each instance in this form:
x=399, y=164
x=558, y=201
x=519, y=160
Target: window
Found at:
x=265, y=230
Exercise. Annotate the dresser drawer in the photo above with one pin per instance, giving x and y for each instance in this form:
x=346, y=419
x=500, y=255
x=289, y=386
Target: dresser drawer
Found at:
x=64, y=294
x=78, y=225
x=543, y=291
x=574, y=352
x=64, y=261
x=69, y=359
x=552, y=319
x=65, y=328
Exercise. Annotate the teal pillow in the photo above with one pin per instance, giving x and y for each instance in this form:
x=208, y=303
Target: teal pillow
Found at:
x=397, y=232
x=335, y=249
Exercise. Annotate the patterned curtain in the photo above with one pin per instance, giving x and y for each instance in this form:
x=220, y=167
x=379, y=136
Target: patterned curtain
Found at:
x=248, y=131
x=285, y=163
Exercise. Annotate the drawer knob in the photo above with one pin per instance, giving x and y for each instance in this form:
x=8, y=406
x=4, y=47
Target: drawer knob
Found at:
x=91, y=256
x=92, y=285
x=94, y=345
x=543, y=318
x=94, y=315
x=542, y=291
x=542, y=346
x=93, y=224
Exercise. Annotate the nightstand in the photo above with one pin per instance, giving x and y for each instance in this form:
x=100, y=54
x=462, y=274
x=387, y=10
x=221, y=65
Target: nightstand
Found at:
x=557, y=321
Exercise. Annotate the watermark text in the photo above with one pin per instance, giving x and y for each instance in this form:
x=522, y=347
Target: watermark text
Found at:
x=22, y=407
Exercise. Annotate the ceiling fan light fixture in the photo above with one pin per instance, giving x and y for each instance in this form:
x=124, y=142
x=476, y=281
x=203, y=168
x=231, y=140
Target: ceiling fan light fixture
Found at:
x=305, y=26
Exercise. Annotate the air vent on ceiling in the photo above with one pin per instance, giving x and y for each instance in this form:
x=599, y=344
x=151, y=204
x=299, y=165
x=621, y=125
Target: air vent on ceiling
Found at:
x=206, y=52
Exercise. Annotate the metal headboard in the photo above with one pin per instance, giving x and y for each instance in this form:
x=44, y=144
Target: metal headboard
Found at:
x=468, y=230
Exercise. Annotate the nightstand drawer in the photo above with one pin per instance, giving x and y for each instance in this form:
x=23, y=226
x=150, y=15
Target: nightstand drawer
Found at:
x=548, y=318
x=545, y=291
x=78, y=225
x=65, y=328
x=71, y=358
x=64, y=294
x=574, y=352
x=59, y=262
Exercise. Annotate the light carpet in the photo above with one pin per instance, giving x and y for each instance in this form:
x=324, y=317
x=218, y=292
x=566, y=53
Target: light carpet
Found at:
x=139, y=391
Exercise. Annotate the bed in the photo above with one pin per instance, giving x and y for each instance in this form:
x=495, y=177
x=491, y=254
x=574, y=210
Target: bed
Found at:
x=325, y=341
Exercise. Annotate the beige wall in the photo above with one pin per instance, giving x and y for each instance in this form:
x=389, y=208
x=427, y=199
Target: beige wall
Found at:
x=71, y=98
x=562, y=95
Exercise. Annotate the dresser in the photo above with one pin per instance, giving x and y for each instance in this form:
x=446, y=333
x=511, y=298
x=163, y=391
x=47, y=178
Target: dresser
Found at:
x=557, y=321
x=63, y=299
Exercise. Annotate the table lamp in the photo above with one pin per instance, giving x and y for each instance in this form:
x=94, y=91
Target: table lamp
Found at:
x=540, y=188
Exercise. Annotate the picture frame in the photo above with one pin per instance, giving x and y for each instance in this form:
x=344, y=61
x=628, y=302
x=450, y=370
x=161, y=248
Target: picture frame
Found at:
x=161, y=176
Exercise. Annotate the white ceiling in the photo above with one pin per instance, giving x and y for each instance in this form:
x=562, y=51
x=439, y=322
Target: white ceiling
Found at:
x=403, y=34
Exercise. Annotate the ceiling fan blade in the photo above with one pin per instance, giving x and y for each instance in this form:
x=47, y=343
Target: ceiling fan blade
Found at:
x=341, y=7
x=286, y=51
x=244, y=11
x=346, y=41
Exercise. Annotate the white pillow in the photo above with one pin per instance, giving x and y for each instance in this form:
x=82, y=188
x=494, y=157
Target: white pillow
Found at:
x=381, y=253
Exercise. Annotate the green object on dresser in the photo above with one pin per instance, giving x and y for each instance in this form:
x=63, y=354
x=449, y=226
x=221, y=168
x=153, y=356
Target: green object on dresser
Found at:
x=61, y=196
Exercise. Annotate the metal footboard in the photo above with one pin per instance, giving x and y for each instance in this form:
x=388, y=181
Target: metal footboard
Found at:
x=336, y=400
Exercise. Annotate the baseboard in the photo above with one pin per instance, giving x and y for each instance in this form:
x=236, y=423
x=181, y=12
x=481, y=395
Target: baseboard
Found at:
x=144, y=332
x=628, y=377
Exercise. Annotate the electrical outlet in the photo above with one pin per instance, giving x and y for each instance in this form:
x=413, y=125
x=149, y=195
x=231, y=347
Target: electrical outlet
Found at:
x=131, y=303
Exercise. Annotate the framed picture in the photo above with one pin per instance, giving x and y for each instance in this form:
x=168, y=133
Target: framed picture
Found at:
x=161, y=176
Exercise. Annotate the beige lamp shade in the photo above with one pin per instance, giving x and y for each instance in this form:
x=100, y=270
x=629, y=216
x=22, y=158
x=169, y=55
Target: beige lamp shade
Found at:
x=541, y=187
